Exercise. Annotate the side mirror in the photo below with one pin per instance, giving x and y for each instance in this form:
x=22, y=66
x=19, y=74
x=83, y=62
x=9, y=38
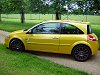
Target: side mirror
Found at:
x=29, y=32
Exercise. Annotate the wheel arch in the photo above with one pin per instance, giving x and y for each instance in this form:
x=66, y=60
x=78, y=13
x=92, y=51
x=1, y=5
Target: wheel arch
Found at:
x=20, y=39
x=81, y=43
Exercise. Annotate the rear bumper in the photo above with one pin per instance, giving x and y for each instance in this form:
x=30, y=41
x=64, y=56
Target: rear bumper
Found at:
x=94, y=47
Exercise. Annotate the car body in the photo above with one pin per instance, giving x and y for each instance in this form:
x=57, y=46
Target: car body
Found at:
x=56, y=36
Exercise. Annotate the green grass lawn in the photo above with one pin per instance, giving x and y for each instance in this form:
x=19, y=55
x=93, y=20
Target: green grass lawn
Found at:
x=14, y=24
x=90, y=18
x=17, y=63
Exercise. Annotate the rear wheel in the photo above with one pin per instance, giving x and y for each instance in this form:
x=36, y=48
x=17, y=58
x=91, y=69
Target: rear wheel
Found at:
x=17, y=45
x=81, y=52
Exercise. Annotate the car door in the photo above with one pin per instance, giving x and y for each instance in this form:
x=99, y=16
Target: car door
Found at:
x=44, y=37
x=69, y=35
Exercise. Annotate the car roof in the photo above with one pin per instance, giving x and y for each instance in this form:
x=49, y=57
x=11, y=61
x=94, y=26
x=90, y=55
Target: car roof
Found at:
x=70, y=22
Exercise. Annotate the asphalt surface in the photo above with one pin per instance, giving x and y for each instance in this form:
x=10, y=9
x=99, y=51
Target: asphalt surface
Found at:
x=92, y=66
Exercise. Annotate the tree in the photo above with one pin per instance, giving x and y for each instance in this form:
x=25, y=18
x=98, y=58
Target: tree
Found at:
x=1, y=4
x=87, y=6
x=18, y=6
x=48, y=6
x=38, y=6
x=96, y=6
x=58, y=7
x=1, y=7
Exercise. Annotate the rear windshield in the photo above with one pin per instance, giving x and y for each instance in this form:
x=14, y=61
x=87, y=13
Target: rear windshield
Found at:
x=89, y=29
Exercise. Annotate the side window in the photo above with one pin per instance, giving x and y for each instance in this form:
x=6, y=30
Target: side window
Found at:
x=70, y=29
x=47, y=28
x=89, y=29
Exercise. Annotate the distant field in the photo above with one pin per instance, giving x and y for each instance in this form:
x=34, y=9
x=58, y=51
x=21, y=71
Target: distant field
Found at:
x=90, y=18
x=11, y=22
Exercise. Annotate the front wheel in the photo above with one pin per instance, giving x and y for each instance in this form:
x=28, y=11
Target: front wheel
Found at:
x=17, y=45
x=81, y=53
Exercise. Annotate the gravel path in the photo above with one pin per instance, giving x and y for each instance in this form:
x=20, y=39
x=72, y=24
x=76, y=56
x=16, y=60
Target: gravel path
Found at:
x=91, y=66
x=3, y=34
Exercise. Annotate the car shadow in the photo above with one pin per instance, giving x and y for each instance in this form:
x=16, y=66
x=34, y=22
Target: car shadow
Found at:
x=46, y=54
x=59, y=56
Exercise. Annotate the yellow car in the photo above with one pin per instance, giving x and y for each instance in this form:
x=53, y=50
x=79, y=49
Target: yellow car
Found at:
x=57, y=36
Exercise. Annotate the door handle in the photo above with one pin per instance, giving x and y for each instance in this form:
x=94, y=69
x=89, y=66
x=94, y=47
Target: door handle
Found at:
x=55, y=38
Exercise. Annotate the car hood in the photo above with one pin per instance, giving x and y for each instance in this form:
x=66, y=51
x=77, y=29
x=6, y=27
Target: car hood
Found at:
x=18, y=31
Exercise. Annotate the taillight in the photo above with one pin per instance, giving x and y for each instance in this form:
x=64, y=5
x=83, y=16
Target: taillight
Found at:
x=91, y=38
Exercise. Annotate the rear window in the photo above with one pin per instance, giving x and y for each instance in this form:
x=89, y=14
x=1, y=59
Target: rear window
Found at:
x=89, y=29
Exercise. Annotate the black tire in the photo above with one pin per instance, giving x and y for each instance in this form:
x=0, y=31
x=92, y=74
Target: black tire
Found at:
x=81, y=53
x=17, y=45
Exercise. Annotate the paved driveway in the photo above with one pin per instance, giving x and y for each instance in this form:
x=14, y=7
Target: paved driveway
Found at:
x=91, y=66
x=3, y=34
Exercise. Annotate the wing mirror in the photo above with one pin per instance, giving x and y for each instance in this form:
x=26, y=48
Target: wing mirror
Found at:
x=29, y=32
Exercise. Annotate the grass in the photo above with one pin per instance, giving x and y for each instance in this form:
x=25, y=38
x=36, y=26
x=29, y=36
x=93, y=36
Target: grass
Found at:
x=14, y=24
x=17, y=63
x=90, y=18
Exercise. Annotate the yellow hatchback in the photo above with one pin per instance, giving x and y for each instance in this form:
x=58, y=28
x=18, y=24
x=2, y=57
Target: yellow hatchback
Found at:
x=57, y=36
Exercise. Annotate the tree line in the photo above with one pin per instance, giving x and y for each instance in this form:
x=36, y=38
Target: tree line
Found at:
x=56, y=7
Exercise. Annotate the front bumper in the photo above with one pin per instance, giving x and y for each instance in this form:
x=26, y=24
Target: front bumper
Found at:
x=6, y=42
